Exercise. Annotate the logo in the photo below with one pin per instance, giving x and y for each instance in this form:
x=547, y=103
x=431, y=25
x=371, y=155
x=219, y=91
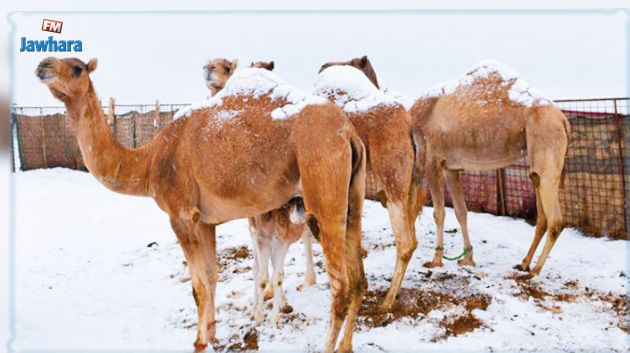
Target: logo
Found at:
x=51, y=26
x=51, y=44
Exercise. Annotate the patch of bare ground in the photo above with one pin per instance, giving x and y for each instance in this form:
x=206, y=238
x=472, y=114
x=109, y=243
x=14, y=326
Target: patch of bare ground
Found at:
x=248, y=341
x=572, y=292
x=417, y=303
x=230, y=261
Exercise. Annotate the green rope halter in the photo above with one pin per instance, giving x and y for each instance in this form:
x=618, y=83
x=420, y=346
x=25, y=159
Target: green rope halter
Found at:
x=466, y=251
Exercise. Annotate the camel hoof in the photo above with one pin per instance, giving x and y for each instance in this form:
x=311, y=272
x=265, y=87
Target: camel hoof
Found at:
x=521, y=268
x=276, y=321
x=268, y=294
x=258, y=318
x=466, y=262
x=345, y=347
x=200, y=347
x=525, y=277
x=305, y=285
x=432, y=264
x=286, y=309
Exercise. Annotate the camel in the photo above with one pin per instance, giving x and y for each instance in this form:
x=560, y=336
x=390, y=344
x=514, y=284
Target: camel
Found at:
x=384, y=127
x=246, y=151
x=489, y=119
x=272, y=233
x=216, y=73
x=268, y=65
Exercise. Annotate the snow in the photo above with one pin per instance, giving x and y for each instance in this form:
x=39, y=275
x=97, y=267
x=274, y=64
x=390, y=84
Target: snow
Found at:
x=86, y=279
x=351, y=90
x=519, y=92
x=258, y=82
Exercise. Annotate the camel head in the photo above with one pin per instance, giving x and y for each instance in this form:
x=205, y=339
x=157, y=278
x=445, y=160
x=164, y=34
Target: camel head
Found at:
x=362, y=63
x=217, y=72
x=267, y=65
x=67, y=79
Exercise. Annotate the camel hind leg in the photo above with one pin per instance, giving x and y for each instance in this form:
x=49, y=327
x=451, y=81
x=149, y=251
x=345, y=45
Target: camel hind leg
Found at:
x=548, y=132
x=406, y=243
x=357, y=280
x=541, y=228
x=548, y=189
x=454, y=185
x=435, y=179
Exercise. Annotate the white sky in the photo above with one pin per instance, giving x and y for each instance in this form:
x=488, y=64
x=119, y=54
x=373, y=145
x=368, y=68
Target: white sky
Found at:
x=147, y=57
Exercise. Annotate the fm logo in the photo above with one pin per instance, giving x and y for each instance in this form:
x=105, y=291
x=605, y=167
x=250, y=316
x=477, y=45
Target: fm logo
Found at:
x=52, y=26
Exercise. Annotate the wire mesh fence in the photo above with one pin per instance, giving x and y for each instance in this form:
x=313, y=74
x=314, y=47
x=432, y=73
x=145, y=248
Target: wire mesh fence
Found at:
x=593, y=193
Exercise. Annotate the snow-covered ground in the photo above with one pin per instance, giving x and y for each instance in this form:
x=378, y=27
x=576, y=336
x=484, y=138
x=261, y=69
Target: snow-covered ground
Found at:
x=87, y=279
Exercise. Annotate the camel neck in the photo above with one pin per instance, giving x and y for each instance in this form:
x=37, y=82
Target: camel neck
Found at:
x=119, y=168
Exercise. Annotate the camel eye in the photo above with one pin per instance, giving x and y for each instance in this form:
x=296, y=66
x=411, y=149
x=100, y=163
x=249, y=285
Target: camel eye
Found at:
x=228, y=69
x=77, y=70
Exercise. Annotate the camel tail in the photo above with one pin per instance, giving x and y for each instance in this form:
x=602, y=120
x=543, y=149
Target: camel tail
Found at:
x=358, y=157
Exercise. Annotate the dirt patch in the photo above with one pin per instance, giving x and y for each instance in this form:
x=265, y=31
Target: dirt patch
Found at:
x=240, y=343
x=572, y=292
x=230, y=261
x=416, y=303
x=461, y=325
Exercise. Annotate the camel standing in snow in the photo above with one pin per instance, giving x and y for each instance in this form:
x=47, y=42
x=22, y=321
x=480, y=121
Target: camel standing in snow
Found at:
x=205, y=169
x=487, y=120
x=384, y=127
x=272, y=233
x=216, y=73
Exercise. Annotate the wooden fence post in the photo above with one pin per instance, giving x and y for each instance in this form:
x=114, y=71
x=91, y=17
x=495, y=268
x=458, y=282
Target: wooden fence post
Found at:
x=621, y=142
x=43, y=126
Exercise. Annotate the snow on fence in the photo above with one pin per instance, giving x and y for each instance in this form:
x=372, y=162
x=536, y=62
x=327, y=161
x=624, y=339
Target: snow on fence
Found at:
x=593, y=195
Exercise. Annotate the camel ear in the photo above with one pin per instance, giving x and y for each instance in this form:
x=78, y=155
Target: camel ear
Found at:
x=271, y=66
x=364, y=60
x=91, y=65
x=234, y=64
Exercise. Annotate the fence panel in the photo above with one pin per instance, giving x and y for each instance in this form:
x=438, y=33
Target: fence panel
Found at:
x=594, y=194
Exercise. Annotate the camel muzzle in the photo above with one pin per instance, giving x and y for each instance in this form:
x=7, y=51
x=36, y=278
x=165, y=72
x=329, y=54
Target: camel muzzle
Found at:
x=43, y=71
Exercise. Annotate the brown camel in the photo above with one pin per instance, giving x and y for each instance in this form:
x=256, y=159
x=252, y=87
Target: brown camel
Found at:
x=272, y=233
x=217, y=71
x=384, y=126
x=487, y=120
x=267, y=65
x=246, y=151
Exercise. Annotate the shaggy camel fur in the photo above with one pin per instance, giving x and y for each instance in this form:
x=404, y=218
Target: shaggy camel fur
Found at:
x=216, y=73
x=272, y=233
x=487, y=120
x=205, y=169
x=385, y=131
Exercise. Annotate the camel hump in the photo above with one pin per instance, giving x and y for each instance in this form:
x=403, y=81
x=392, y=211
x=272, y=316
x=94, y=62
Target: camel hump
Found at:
x=351, y=90
x=256, y=83
x=490, y=81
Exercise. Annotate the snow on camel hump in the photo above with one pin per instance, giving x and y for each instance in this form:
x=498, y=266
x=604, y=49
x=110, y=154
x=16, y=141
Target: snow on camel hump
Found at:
x=491, y=77
x=257, y=82
x=351, y=90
